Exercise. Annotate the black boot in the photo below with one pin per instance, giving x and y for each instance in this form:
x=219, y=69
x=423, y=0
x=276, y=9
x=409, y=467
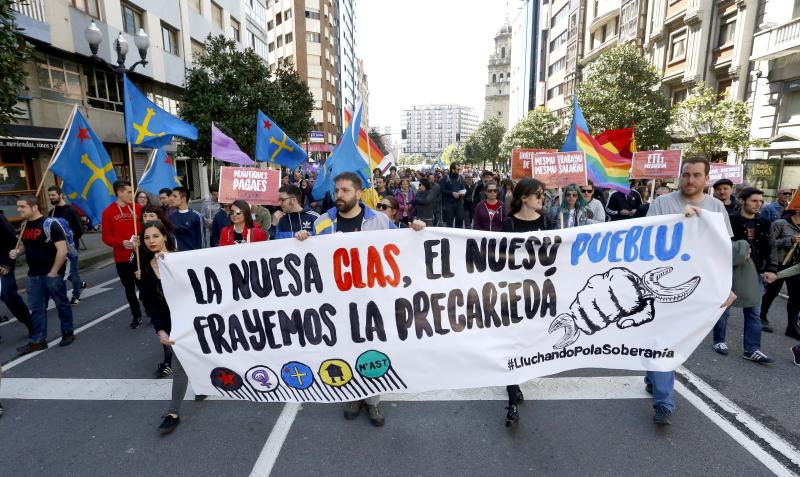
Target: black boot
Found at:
x=766, y=327
x=512, y=417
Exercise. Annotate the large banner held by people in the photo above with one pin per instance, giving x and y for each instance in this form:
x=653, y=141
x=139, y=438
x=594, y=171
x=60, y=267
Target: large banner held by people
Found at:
x=338, y=318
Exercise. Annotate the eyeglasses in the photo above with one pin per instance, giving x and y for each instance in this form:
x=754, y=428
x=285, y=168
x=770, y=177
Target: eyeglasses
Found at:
x=587, y=191
x=786, y=193
x=572, y=194
x=236, y=212
x=493, y=191
x=538, y=194
x=385, y=206
x=281, y=199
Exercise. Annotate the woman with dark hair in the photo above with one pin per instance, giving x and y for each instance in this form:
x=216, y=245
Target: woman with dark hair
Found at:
x=524, y=215
x=404, y=197
x=158, y=243
x=142, y=198
x=425, y=202
x=305, y=198
x=572, y=209
x=391, y=208
x=507, y=192
x=242, y=228
x=151, y=213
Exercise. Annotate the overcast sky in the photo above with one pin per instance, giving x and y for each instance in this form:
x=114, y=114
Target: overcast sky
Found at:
x=425, y=51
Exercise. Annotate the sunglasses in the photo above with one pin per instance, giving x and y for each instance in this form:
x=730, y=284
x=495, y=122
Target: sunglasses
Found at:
x=572, y=194
x=493, y=191
x=385, y=206
x=538, y=195
x=786, y=193
x=585, y=191
x=236, y=212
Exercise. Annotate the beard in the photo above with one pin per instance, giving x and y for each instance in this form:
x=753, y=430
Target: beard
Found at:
x=55, y=202
x=346, y=206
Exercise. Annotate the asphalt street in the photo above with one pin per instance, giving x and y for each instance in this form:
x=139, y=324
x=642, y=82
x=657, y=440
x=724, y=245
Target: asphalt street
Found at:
x=93, y=409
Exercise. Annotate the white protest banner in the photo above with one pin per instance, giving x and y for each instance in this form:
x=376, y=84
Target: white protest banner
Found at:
x=337, y=318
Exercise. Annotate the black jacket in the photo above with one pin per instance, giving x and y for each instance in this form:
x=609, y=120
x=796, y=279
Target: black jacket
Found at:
x=618, y=201
x=760, y=246
x=8, y=240
x=67, y=212
x=153, y=299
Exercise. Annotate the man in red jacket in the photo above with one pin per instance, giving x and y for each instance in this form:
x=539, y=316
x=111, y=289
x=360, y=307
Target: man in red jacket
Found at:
x=118, y=233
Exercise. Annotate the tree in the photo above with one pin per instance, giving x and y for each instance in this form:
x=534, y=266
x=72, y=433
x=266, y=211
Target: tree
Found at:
x=228, y=87
x=540, y=129
x=377, y=138
x=483, y=145
x=622, y=87
x=13, y=55
x=452, y=153
x=410, y=160
x=713, y=125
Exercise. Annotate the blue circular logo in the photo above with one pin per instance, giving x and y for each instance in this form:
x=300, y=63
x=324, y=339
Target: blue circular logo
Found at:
x=297, y=375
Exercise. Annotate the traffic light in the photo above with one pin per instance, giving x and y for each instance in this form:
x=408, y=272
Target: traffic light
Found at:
x=403, y=133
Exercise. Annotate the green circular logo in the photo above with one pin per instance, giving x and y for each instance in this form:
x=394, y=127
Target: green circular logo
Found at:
x=372, y=364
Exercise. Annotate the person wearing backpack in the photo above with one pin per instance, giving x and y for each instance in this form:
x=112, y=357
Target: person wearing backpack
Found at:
x=44, y=243
x=65, y=211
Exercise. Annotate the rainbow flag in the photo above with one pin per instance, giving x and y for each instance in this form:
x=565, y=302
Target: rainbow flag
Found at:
x=604, y=168
x=367, y=146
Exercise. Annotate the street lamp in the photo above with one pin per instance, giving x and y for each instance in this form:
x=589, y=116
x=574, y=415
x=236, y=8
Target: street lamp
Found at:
x=94, y=37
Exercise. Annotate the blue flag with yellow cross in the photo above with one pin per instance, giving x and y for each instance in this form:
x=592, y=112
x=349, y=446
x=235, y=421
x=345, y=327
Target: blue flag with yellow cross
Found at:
x=85, y=169
x=273, y=145
x=147, y=125
x=161, y=174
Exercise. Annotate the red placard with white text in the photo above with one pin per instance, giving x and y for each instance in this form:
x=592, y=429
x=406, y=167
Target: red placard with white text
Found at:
x=256, y=186
x=559, y=169
x=521, y=161
x=656, y=164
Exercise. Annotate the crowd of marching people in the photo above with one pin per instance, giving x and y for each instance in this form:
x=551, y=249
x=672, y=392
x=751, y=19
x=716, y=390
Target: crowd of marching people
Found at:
x=141, y=229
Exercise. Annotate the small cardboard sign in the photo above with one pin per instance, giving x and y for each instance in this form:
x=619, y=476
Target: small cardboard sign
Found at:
x=665, y=164
x=559, y=169
x=256, y=186
x=734, y=172
x=521, y=161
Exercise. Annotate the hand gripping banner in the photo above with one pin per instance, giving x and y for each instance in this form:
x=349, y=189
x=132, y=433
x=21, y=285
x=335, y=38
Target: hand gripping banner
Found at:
x=342, y=317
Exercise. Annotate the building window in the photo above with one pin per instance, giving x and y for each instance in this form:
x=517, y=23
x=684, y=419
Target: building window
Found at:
x=170, y=39
x=196, y=5
x=216, y=15
x=287, y=38
x=724, y=89
x=678, y=96
x=312, y=37
x=287, y=14
x=235, y=30
x=271, y=46
x=278, y=19
x=313, y=15
x=131, y=19
x=279, y=41
x=558, y=41
x=270, y=25
x=59, y=79
x=197, y=49
x=558, y=17
x=88, y=7
x=677, y=46
x=503, y=52
x=103, y=90
x=727, y=30
x=494, y=78
x=162, y=100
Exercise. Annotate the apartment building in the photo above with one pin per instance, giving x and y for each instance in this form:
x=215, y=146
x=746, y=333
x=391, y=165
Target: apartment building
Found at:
x=428, y=129
x=348, y=61
x=62, y=74
x=362, y=91
x=526, y=31
x=560, y=65
x=499, y=77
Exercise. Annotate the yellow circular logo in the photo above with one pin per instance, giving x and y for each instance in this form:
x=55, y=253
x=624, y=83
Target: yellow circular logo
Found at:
x=335, y=372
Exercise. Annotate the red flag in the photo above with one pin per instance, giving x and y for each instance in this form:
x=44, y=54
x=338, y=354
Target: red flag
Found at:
x=618, y=141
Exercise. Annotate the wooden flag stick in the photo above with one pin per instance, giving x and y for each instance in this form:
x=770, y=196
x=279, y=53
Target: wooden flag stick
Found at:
x=135, y=225
x=652, y=191
x=558, y=208
x=56, y=149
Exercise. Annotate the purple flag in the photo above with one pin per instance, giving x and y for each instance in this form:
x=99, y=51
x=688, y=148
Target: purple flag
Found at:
x=225, y=149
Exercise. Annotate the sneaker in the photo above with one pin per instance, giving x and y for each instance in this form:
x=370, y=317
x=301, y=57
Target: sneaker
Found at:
x=663, y=416
x=721, y=348
x=512, y=417
x=163, y=371
x=765, y=326
x=520, y=396
x=648, y=388
x=758, y=357
x=169, y=424
x=84, y=285
x=67, y=339
x=353, y=409
x=376, y=415
x=32, y=347
x=75, y=301
x=1, y=409
x=136, y=322
x=200, y=397
x=796, y=355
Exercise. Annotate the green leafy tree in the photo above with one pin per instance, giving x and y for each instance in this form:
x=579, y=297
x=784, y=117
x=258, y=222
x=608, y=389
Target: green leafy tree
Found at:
x=622, y=87
x=13, y=55
x=452, y=153
x=540, y=129
x=228, y=87
x=410, y=160
x=713, y=125
x=483, y=145
x=377, y=138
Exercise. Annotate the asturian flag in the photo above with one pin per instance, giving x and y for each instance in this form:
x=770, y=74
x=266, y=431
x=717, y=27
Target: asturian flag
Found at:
x=85, y=169
x=160, y=175
x=147, y=125
x=273, y=145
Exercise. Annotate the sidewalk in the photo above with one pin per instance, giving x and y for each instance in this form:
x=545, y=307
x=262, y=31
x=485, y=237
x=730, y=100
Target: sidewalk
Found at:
x=95, y=251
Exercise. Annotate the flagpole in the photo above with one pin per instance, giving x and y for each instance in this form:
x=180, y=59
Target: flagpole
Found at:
x=56, y=149
x=652, y=190
x=135, y=231
x=561, y=214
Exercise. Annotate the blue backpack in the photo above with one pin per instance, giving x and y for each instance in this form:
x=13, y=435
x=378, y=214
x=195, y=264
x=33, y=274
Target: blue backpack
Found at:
x=72, y=250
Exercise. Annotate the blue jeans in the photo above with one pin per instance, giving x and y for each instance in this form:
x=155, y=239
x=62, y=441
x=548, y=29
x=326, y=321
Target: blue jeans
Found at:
x=663, y=385
x=13, y=301
x=40, y=290
x=752, y=328
x=74, y=277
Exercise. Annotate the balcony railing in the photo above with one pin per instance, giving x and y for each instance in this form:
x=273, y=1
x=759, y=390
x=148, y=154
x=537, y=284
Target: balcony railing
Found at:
x=30, y=8
x=781, y=40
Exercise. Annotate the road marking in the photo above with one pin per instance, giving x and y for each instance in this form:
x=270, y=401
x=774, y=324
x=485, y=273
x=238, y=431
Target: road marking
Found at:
x=28, y=356
x=605, y=387
x=770, y=438
x=91, y=291
x=272, y=448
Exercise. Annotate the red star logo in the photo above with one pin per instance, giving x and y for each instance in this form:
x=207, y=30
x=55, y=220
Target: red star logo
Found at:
x=83, y=133
x=227, y=379
x=267, y=124
x=168, y=160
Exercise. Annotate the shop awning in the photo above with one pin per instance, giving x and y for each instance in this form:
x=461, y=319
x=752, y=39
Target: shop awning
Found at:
x=781, y=142
x=28, y=137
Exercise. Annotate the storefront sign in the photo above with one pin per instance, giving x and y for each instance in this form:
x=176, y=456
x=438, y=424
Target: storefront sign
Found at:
x=559, y=169
x=317, y=136
x=256, y=186
x=763, y=174
x=28, y=144
x=726, y=171
x=521, y=162
x=656, y=164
